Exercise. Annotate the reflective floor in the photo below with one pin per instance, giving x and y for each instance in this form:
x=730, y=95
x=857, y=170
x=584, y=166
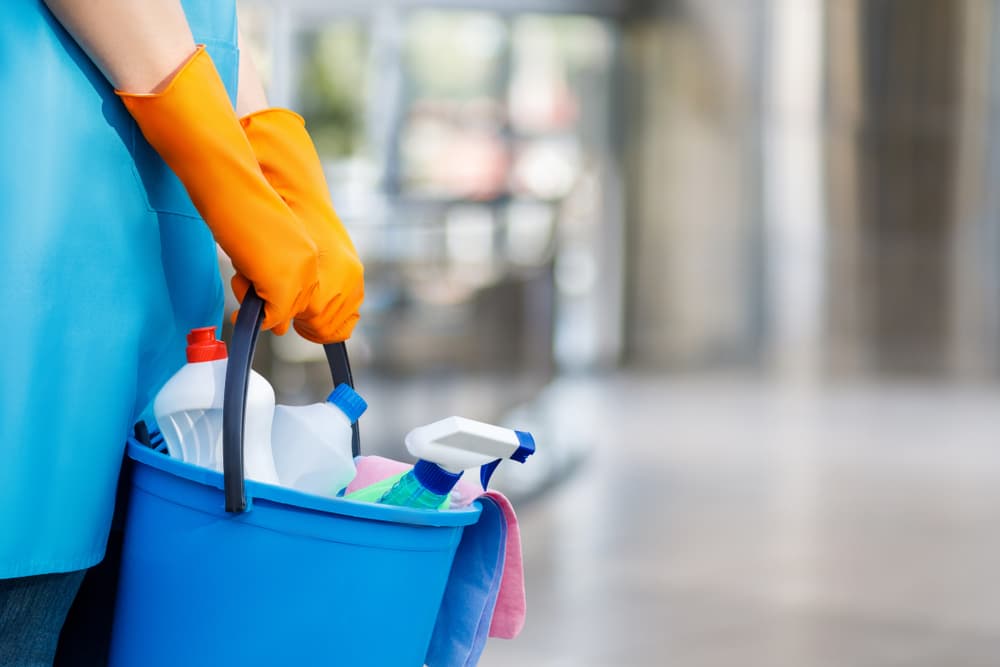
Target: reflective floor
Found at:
x=736, y=523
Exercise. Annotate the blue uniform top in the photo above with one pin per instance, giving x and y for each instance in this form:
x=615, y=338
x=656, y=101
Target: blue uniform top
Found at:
x=104, y=266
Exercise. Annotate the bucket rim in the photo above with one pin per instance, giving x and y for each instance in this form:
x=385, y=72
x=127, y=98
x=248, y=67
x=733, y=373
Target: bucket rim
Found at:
x=162, y=462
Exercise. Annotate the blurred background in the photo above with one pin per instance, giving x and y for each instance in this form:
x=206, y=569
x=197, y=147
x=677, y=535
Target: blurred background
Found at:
x=735, y=264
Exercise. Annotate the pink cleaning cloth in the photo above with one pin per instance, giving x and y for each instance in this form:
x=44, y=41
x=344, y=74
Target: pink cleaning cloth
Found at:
x=511, y=607
x=508, y=616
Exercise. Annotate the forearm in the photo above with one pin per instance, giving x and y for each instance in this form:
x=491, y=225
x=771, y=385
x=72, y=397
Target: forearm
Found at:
x=137, y=44
x=250, y=96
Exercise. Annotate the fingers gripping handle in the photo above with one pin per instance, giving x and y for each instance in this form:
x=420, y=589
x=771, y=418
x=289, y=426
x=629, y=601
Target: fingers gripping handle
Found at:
x=234, y=402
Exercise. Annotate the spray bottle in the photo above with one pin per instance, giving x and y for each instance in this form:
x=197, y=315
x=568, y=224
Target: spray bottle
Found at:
x=446, y=449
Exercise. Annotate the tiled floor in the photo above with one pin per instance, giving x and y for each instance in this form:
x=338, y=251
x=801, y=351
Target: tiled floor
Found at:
x=738, y=523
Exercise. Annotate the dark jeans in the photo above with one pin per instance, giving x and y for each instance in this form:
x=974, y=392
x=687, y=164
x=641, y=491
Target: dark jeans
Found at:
x=86, y=636
x=32, y=612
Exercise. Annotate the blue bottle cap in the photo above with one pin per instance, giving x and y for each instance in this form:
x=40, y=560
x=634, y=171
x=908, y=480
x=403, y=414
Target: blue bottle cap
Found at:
x=434, y=478
x=349, y=401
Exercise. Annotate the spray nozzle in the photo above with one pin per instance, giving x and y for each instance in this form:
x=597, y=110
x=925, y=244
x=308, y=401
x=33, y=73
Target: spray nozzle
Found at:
x=457, y=444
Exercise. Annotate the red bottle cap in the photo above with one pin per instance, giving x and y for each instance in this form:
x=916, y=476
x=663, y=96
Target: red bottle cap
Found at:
x=202, y=346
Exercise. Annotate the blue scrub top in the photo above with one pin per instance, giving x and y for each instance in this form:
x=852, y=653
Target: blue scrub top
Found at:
x=104, y=266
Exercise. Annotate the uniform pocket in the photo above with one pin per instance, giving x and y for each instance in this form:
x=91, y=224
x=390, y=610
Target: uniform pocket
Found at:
x=164, y=191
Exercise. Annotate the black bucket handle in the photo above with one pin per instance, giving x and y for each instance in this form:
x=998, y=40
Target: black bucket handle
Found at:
x=234, y=402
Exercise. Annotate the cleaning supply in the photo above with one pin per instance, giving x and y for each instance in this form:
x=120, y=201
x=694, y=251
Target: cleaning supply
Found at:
x=288, y=158
x=188, y=410
x=283, y=578
x=485, y=595
x=471, y=597
x=446, y=449
x=312, y=443
x=191, y=123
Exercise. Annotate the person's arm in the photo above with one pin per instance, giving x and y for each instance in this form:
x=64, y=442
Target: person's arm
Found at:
x=299, y=259
x=250, y=96
x=144, y=57
x=138, y=45
x=177, y=98
x=289, y=160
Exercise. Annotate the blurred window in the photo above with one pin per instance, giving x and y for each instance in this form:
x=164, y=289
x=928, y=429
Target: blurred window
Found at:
x=560, y=67
x=452, y=140
x=332, y=86
x=464, y=151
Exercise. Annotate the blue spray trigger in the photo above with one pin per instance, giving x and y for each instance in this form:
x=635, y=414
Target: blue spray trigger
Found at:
x=526, y=447
x=486, y=472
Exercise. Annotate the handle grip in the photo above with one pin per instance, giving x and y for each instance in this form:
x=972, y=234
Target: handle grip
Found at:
x=234, y=401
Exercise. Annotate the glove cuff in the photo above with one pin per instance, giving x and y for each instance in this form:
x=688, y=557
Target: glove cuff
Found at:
x=278, y=115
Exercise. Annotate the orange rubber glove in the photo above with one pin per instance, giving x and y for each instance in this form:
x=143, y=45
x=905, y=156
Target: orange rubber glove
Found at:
x=193, y=126
x=289, y=161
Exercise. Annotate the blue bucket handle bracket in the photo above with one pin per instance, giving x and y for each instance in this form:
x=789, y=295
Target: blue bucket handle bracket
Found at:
x=234, y=401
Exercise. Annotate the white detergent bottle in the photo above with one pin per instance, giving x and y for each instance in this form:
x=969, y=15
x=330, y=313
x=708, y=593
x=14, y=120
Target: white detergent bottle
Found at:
x=447, y=448
x=188, y=410
x=312, y=443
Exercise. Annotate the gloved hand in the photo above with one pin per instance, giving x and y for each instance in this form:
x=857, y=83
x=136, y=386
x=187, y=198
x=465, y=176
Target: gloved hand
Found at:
x=193, y=126
x=288, y=158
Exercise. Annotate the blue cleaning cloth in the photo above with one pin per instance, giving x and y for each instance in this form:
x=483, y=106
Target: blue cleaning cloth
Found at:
x=463, y=623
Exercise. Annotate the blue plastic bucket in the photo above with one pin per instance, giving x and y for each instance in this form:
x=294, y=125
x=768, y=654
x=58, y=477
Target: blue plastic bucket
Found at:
x=296, y=580
x=293, y=579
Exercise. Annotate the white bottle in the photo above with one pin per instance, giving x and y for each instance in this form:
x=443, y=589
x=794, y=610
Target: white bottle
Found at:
x=312, y=443
x=189, y=411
